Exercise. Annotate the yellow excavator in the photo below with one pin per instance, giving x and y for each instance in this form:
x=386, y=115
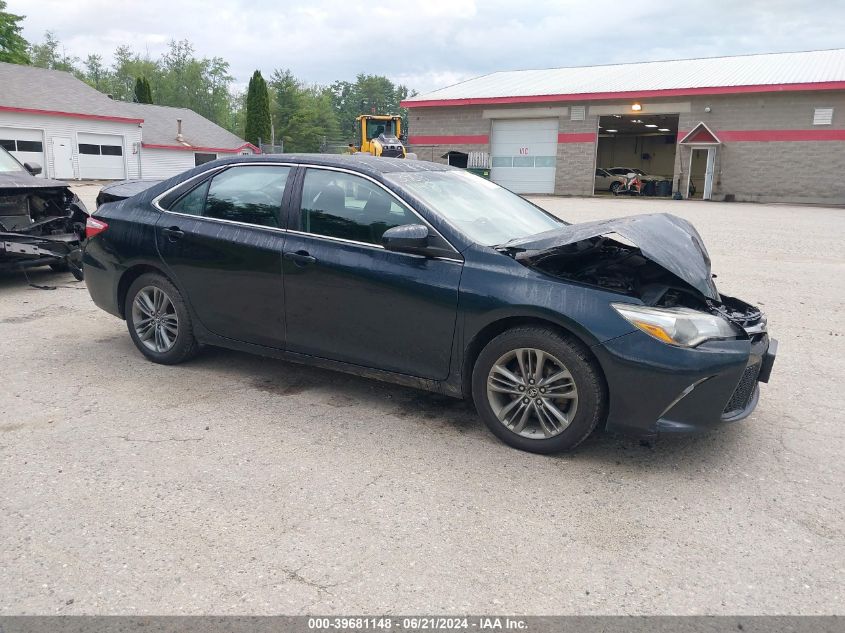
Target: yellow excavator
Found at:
x=379, y=135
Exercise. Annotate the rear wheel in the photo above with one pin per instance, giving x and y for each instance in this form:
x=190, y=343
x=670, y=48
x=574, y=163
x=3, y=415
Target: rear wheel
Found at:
x=538, y=390
x=158, y=320
x=614, y=188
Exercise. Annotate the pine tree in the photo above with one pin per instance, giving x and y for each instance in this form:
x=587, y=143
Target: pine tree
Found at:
x=257, y=110
x=143, y=92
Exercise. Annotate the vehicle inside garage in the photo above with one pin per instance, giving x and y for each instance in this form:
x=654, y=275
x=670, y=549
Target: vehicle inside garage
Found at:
x=644, y=144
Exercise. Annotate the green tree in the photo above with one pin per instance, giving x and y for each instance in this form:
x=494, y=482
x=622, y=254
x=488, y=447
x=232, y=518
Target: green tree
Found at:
x=143, y=93
x=126, y=68
x=368, y=94
x=258, y=123
x=51, y=54
x=14, y=49
x=199, y=84
x=95, y=74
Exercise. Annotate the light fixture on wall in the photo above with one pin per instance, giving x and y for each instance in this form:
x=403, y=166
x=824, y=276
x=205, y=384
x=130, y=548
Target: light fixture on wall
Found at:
x=707, y=109
x=611, y=131
x=636, y=107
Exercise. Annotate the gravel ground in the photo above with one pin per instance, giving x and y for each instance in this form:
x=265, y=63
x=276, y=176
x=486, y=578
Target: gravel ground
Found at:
x=238, y=484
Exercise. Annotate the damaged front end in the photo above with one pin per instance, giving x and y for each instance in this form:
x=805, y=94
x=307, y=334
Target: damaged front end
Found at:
x=716, y=350
x=41, y=224
x=660, y=259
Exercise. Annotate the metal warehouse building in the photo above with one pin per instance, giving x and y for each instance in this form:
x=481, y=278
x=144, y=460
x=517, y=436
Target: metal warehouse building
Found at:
x=76, y=132
x=754, y=128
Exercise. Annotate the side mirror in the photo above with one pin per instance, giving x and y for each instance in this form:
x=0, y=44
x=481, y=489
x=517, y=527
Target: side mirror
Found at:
x=33, y=168
x=408, y=238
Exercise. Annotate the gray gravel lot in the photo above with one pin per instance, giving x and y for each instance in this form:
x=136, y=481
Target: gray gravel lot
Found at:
x=238, y=484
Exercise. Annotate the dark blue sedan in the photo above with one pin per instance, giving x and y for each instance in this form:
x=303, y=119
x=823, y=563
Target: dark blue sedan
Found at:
x=429, y=276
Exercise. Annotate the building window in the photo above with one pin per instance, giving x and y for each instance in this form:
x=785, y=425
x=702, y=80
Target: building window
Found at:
x=86, y=148
x=12, y=145
x=30, y=146
x=823, y=116
x=201, y=158
x=111, y=150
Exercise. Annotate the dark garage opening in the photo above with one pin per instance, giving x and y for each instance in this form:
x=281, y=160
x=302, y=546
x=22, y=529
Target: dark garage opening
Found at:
x=645, y=144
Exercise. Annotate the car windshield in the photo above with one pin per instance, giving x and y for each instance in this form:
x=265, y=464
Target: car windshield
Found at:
x=8, y=162
x=485, y=212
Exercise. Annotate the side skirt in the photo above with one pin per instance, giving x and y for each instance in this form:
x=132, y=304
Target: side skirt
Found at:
x=443, y=387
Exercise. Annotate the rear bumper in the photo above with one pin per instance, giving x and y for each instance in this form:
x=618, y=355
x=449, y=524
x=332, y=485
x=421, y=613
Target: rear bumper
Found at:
x=656, y=388
x=101, y=277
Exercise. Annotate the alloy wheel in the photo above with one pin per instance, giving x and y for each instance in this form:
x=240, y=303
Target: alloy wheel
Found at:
x=532, y=393
x=154, y=319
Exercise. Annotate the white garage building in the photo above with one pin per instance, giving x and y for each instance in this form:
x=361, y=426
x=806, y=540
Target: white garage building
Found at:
x=75, y=132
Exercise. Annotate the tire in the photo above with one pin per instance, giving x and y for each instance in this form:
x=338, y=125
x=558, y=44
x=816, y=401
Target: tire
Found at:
x=60, y=267
x=584, y=406
x=173, y=318
x=614, y=188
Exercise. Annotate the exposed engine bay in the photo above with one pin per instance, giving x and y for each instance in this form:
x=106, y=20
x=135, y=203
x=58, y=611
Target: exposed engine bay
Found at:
x=41, y=226
x=604, y=262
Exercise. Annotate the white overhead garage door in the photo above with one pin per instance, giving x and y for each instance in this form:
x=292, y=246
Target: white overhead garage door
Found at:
x=523, y=154
x=101, y=156
x=25, y=145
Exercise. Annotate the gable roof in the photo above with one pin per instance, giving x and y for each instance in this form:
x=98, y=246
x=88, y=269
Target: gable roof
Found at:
x=160, y=128
x=809, y=70
x=39, y=90
x=58, y=93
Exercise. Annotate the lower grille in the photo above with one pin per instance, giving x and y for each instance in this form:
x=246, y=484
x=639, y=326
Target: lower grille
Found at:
x=744, y=390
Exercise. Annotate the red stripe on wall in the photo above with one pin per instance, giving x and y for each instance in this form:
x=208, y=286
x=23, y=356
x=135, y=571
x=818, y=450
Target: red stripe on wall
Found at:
x=747, y=136
x=633, y=94
x=481, y=139
x=767, y=136
x=73, y=115
x=583, y=137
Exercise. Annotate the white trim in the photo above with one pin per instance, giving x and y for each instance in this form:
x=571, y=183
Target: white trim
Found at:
x=709, y=169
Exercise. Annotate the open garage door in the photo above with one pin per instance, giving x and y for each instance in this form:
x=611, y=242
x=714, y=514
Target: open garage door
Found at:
x=644, y=144
x=25, y=145
x=523, y=154
x=101, y=156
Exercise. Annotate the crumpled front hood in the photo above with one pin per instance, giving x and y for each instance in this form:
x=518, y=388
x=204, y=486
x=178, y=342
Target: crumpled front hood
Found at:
x=665, y=239
x=24, y=180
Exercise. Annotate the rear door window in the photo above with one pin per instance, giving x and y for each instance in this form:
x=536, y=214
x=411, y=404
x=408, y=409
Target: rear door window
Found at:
x=250, y=195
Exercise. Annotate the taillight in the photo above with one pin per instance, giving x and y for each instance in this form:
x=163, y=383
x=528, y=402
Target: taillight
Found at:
x=94, y=227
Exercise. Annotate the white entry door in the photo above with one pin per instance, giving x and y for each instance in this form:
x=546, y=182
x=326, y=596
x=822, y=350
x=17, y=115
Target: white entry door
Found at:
x=524, y=154
x=62, y=158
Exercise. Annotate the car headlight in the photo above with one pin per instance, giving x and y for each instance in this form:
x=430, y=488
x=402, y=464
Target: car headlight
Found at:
x=684, y=327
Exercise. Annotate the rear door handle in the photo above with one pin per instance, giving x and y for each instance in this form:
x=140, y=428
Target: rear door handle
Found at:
x=300, y=258
x=173, y=233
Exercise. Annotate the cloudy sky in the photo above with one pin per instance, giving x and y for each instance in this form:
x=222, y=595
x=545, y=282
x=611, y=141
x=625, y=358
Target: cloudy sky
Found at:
x=433, y=43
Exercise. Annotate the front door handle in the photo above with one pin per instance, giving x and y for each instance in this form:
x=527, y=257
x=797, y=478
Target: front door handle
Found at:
x=173, y=233
x=300, y=258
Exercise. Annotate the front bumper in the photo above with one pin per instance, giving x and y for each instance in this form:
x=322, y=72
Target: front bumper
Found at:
x=656, y=388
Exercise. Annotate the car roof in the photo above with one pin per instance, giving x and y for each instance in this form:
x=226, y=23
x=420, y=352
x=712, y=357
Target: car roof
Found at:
x=364, y=163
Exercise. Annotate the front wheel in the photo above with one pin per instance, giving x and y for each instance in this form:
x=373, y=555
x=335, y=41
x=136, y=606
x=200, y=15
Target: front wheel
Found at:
x=538, y=390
